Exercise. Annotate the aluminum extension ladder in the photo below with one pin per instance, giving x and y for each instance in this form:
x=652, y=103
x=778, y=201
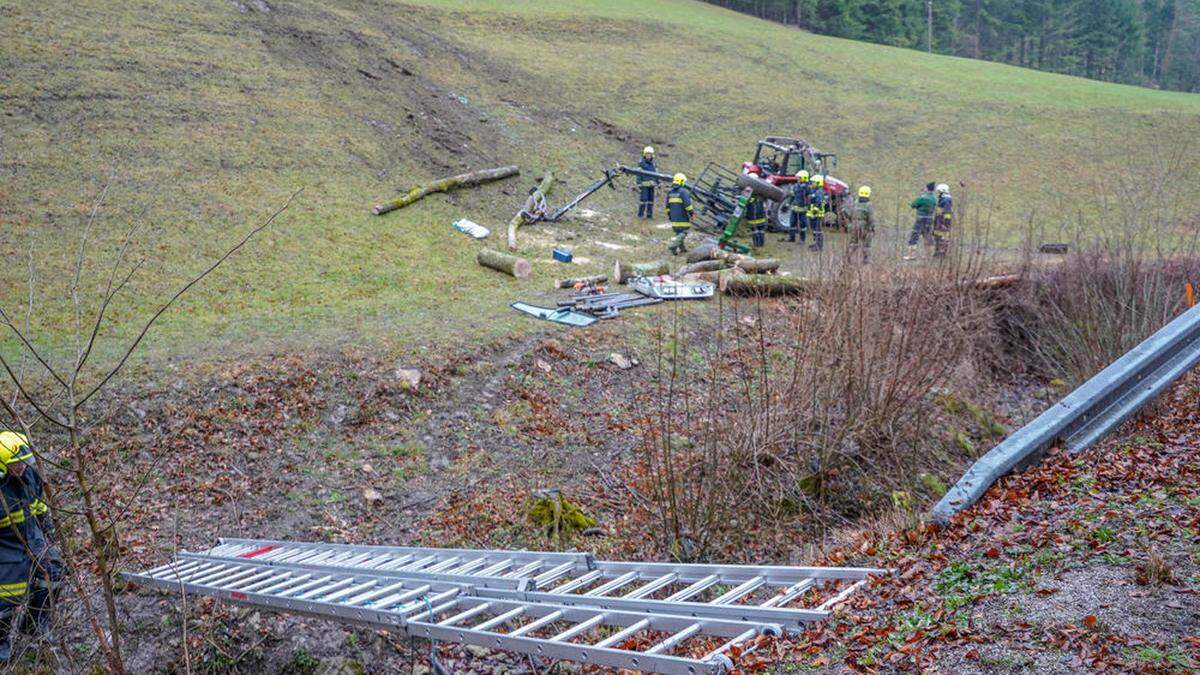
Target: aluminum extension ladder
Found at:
x=644, y=616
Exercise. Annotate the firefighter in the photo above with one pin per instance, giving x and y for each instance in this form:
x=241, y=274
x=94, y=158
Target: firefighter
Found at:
x=942, y=221
x=646, y=185
x=801, y=199
x=756, y=220
x=30, y=567
x=922, y=230
x=816, y=213
x=862, y=224
x=679, y=212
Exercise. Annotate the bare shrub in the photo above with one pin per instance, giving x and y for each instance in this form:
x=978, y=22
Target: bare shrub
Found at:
x=805, y=407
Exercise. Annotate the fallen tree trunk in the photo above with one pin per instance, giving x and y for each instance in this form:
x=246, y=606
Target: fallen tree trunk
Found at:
x=756, y=285
x=503, y=262
x=758, y=265
x=623, y=272
x=717, y=277
x=581, y=281
x=532, y=210
x=703, y=266
x=447, y=184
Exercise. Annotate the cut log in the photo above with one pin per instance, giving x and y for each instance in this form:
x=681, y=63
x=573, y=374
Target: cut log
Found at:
x=712, y=252
x=532, y=210
x=445, y=185
x=581, y=281
x=701, y=253
x=713, y=277
x=503, y=262
x=623, y=272
x=757, y=285
x=758, y=265
x=703, y=266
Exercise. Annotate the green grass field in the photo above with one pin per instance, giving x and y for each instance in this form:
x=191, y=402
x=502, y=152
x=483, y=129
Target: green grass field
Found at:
x=205, y=119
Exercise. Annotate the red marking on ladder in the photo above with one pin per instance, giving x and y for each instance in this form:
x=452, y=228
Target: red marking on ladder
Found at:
x=259, y=551
x=237, y=596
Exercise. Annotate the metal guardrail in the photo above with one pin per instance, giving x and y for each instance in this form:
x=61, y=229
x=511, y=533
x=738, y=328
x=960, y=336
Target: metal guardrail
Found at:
x=1089, y=413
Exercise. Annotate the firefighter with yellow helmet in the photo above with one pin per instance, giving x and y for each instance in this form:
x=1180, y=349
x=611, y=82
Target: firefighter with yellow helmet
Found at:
x=646, y=185
x=679, y=212
x=30, y=566
x=816, y=212
x=862, y=224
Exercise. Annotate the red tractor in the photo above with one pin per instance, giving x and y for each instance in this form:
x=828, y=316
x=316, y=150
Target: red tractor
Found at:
x=778, y=159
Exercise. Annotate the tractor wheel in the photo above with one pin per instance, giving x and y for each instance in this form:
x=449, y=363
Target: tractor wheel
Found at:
x=779, y=217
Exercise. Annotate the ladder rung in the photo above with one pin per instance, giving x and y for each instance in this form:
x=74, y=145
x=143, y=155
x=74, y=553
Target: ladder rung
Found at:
x=581, y=627
x=377, y=593
x=673, y=641
x=265, y=582
x=622, y=634
x=790, y=594
x=398, y=598
x=477, y=609
x=577, y=583
x=468, y=567
x=351, y=590
x=305, y=586
x=534, y=625
x=529, y=567
x=448, y=562
x=731, y=644
x=284, y=584
x=240, y=585
x=552, y=574
x=746, y=588
x=694, y=589
x=613, y=585
x=648, y=588
x=499, y=619
x=318, y=592
x=393, y=564
x=496, y=568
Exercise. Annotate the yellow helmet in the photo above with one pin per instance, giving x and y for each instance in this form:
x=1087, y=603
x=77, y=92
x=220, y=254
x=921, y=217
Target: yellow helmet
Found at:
x=14, y=448
x=648, y=150
x=819, y=181
x=865, y=192
x=679, y=179
x=802, y=174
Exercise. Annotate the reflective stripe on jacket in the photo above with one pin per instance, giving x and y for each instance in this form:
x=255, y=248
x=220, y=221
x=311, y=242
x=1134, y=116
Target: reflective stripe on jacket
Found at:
x=756, y=213
x=679, y=206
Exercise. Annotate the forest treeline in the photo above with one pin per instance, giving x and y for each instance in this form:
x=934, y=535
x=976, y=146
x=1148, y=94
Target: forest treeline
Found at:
x=1152, y=43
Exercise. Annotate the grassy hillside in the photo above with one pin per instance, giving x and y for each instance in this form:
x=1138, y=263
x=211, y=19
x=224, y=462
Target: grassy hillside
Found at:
x=203, y=120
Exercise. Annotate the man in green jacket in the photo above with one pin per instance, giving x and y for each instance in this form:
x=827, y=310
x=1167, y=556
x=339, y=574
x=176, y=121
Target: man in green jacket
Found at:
x=922, y=229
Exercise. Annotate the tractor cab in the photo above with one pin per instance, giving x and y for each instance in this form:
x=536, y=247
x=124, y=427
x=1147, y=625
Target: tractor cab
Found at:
x=777, y=159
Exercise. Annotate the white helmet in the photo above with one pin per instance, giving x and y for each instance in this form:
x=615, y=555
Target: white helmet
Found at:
x=648, y=150
x=942, y=188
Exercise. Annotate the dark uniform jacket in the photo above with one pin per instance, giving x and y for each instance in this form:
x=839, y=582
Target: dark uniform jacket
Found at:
x=756, y=212
x=646, y=165
x=801, y=196
x=25, y=536
x=819, y=199
x=679, y=206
